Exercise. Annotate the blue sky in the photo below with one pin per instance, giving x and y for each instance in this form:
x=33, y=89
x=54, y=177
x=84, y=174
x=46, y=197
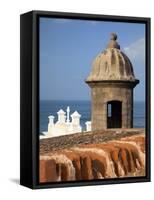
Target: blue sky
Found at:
x=68, y=47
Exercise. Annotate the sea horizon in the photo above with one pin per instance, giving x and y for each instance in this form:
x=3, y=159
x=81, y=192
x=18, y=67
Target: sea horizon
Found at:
x=51, y=107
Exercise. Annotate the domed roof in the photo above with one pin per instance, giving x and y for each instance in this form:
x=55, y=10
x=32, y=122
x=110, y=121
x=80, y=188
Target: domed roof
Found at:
x=112, y=64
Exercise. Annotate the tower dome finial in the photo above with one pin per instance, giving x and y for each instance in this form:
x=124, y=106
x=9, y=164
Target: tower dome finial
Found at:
x=114, y=36
x=113, y=43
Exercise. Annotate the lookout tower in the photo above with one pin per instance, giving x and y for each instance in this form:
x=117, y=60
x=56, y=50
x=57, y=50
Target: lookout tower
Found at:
x=112, y=81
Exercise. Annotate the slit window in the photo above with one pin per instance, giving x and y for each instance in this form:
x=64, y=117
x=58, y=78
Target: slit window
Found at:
x=109, y=113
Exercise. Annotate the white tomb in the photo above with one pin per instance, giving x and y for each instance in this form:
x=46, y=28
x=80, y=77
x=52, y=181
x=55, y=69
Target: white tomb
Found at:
x=64, y=126
x=88, y=126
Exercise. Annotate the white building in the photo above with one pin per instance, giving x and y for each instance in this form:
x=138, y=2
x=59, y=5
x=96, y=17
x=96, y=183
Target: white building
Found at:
x=64, y=126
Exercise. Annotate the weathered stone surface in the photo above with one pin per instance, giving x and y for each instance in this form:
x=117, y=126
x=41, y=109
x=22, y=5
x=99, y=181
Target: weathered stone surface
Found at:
x=115, y=157
x=61, y=142
x=111, y=64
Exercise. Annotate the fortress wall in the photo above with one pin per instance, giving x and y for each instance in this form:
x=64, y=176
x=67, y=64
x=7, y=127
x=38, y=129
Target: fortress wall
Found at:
x=95, y=155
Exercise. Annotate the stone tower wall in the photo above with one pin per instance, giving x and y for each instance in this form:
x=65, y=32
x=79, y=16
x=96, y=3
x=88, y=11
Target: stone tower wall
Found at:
x=101, y=95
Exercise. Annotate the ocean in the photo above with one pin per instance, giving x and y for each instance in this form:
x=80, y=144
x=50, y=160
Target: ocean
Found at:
x=51, y=107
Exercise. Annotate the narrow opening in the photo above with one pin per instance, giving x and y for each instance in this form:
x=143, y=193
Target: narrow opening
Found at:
x=114, y=114
x=109, y=110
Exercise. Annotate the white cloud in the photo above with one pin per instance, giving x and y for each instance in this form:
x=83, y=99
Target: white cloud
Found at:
x=62, y=20
x=136, y=50
x=94, y=22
